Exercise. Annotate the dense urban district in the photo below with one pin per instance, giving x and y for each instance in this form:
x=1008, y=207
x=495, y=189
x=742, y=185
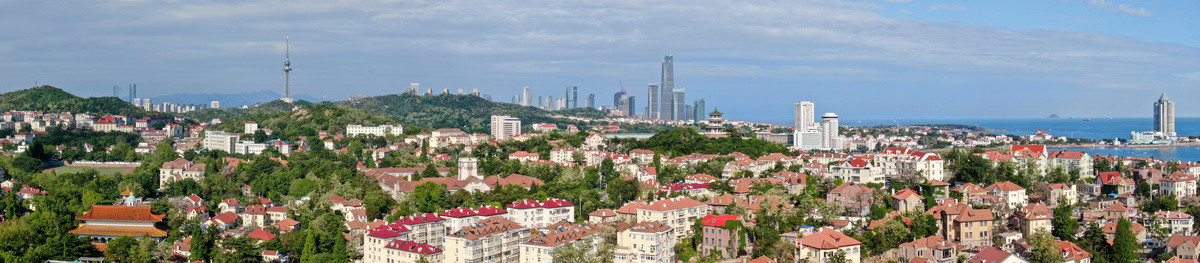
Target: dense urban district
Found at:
x=99, y=179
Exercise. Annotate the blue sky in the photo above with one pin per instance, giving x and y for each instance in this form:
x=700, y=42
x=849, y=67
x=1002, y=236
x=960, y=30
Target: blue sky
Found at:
x=751, y=59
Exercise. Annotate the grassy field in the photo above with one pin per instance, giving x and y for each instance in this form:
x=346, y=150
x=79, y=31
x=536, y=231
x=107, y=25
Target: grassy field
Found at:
x=103, y=171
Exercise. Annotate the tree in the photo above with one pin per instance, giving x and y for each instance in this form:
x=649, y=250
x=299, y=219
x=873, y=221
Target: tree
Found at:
x=120, y=248
x=1045, y=248
x=574, y=252
x=1125, y=243
x=838, y=257
x=1064, y=224
x=1095, y=241
x=924, y=225
x=310, y=247
x=427, y=197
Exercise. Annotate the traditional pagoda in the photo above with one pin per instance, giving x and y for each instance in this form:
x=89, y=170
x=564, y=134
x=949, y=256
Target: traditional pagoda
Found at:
x=716, y=124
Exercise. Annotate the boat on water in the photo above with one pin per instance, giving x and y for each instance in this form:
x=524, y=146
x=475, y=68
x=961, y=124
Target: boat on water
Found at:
x=1087, y=119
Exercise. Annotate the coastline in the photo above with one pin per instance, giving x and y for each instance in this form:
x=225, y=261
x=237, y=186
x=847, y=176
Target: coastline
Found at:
x=1184, y=144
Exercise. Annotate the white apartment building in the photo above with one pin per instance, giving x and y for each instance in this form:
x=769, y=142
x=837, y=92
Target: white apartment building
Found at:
x=679, y=213
x=379, y=131
x=646, y=242
x=534, y=214
x=491, y=240
x=504, y=127
x=220, y=141
x=1178, y=184
x=1180, y=223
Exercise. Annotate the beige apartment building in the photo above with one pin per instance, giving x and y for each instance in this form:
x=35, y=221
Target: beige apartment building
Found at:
x=492, y=239
x=679, y=213
x=646, y=242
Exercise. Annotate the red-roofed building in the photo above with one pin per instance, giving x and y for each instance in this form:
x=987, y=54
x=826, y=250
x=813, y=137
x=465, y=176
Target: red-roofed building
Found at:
x=899, y=161
x=535, y=214
x=1177, y=184
x=995, y=255
x=426, y=228
x=718, y=240
x=857, y=170
x=223, y=220
x=1013, y=193
x=376, y=240
x=855, y=197
x=908, y=200
x=821, y=245
x=105, y=222
x=457, y=218
x=933, y=249
x=1180, y=223
x=1073, y=253
x=679, y=213
x=1183, y=246
x=261, y=234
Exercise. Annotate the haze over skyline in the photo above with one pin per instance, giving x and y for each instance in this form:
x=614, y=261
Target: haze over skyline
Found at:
x=752, y=60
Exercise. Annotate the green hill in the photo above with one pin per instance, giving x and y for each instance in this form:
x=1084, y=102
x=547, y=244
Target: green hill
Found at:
x=274, y=106
x=310, y=119
x=51, y=99
x=469, y=113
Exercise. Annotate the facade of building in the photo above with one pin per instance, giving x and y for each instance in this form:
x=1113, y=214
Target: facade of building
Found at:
x=646, y=242
x=1164, y=116
x=220, y=141
x=667, y=86
x=1177, y=184
x=504, y=127
x=104, y=223
x=491, y=240
x=717, y=239
x=823, y=244
x=679, y=213
x=932, y=249
x=652, y=104
x=380, y=131
x=830, y=139
x=535, y=214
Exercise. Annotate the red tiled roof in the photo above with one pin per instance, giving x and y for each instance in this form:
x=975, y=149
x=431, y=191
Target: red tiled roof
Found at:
x=718, y=220
x=673, y=204
x=413, y=247
x=1005, y=186
x=826, y=238
x=261, y=234
x=121, y=213
x=906, y=193
x=990, y=254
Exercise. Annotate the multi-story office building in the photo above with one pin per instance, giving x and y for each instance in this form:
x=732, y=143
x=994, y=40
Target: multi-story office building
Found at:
x=652, y=104
x=698, y=110
x=220, y=141
x=678, y=104
x=1164, y=116
x=527, y=97
x=666, y=112
x=504, y=127
x=591, y=101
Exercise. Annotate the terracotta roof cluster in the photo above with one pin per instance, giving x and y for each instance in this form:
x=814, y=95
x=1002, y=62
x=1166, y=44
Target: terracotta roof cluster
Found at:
x=1038, y=211
x=388, y=231
x=1179, y=240
x=750, y=202
x=1072, y=252
x=672, y=204
x=906, y=193
x=419, y=219
x=487, y=227
x=1178, y=177
x=261, y=234
x=685, y=187
x=650, y=227
x=1005, y=186
x=485, y=211
x=1172, y=215
x=413, y=247
x=560, y=233
x=990, y=255
x=934, y=241
x=969, y=188
x=603, y=213
x=530, y=204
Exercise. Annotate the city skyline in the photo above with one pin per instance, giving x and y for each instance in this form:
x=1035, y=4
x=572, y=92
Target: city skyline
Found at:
x=1101, y=54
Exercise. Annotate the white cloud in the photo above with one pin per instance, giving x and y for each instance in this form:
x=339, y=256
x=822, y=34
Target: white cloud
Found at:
x=947, y=7
x=1117, y=8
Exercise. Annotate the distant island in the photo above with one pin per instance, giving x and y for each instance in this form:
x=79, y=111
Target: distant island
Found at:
x=1054, y=116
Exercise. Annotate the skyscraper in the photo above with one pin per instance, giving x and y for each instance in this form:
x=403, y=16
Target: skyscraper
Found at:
x=632, y=105
x=678, y=104
x=527, y=97
x=804, y=116
x=829, y=131
x=504, y=127
x=287, y=69
x=700, y=110
x=573, y=98
x=689, y=112
x=617, y=98
x=652, y=102
x=591, y=101
x=666, y=109
x=1164, y=116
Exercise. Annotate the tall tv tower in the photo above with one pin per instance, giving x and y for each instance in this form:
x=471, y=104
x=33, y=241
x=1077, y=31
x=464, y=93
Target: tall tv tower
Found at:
x=287, y=70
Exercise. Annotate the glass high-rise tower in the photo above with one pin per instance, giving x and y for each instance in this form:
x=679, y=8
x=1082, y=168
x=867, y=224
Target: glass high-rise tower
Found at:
x=1164, y=116
x=667, y=106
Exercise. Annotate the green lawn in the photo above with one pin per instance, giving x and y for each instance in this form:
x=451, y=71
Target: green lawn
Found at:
x=103, y=171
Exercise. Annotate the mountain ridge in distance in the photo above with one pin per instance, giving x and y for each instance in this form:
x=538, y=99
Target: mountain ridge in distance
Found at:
x=228, y=100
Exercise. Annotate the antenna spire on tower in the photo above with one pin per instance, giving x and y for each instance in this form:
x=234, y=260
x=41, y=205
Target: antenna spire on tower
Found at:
x=287, y=69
